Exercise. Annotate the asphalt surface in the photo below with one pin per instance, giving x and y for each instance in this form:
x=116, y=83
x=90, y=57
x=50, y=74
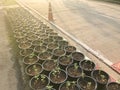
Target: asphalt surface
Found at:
x=96, y=24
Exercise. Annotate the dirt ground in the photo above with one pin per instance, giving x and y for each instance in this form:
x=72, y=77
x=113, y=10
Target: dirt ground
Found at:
x=10, y=75
x=8, y=78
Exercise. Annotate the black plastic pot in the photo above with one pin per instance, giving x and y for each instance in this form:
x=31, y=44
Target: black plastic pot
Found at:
x=39, y=82
x=87, y=83
x=45, y=56
x=47, y=41
x=87, y=66
x=58, y=53
x=70, y=49
x=58, y=38
x=34, y=69
x=113, y=86
x=30, y=59
x=64, y=61
x=52, y=46
x=58, y=76
x=26, y=45
x=69, y=85
x=37, y=43
x=40, y=49
x=77, y=56
x=49, y=65
x=74, y=71
x=102, y=78
x=62, y=43
x=26, y=52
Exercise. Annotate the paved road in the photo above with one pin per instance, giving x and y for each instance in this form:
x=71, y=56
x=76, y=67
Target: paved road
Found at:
x=94, y=23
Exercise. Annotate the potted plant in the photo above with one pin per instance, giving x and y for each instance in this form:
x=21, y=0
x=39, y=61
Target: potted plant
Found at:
x=53, y=34
x=43, y=37
x=77, y=56
x=22, y=40
x=113, y=86
x=70, y=49
x=26, y=52
x=58, y=53
x=32, y=37
x=34, y=69
x=37, y=43
x=63, y=44
x=40, y=49
x=25, y=45
x=49, y=65
x=30, y=59
x=39, y=82
x=47, y=41
x=52, y=46
x=48, y=31
x=64, y=61
x=101, y=77
x=45, y=56
x=87, y=66
x=49, y=87
x=57, y=76
x=69, y=85
x=74, y=71
x=87, y=83
x=58, y=38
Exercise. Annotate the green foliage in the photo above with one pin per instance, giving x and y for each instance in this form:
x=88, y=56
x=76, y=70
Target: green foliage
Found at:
x=49, y=87
x=76, y=66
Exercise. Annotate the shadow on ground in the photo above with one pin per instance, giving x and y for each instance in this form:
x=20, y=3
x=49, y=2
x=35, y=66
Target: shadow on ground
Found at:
x=109, y=1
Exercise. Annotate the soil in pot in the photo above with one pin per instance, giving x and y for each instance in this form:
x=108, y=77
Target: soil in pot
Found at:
x=45, y=56
x=26, y=52
x=22, y=40
x=53, y=34
x=31, y=59
x=52, y=46
x=49, y=65
x=102, y=78
x=34, y=69
x=40, y=49
x=39, y=82
x=58, y=52
x=63, y=44
x=57, y=76
x=64, y=61
x=74, y=71
x=37, y=43
x=113, y=86
x=69, y=85
x=58, y=38
x=77, y=56
x=87, y=66
x=70, y=49
x=25, y=45
x=87, y=83
x=47, y=41
x=32, y=37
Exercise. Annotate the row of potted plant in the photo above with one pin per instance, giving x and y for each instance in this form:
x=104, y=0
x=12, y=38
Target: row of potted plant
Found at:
x=51, y=63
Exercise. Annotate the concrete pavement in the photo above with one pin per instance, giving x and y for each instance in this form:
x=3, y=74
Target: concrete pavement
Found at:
x=8, y=80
